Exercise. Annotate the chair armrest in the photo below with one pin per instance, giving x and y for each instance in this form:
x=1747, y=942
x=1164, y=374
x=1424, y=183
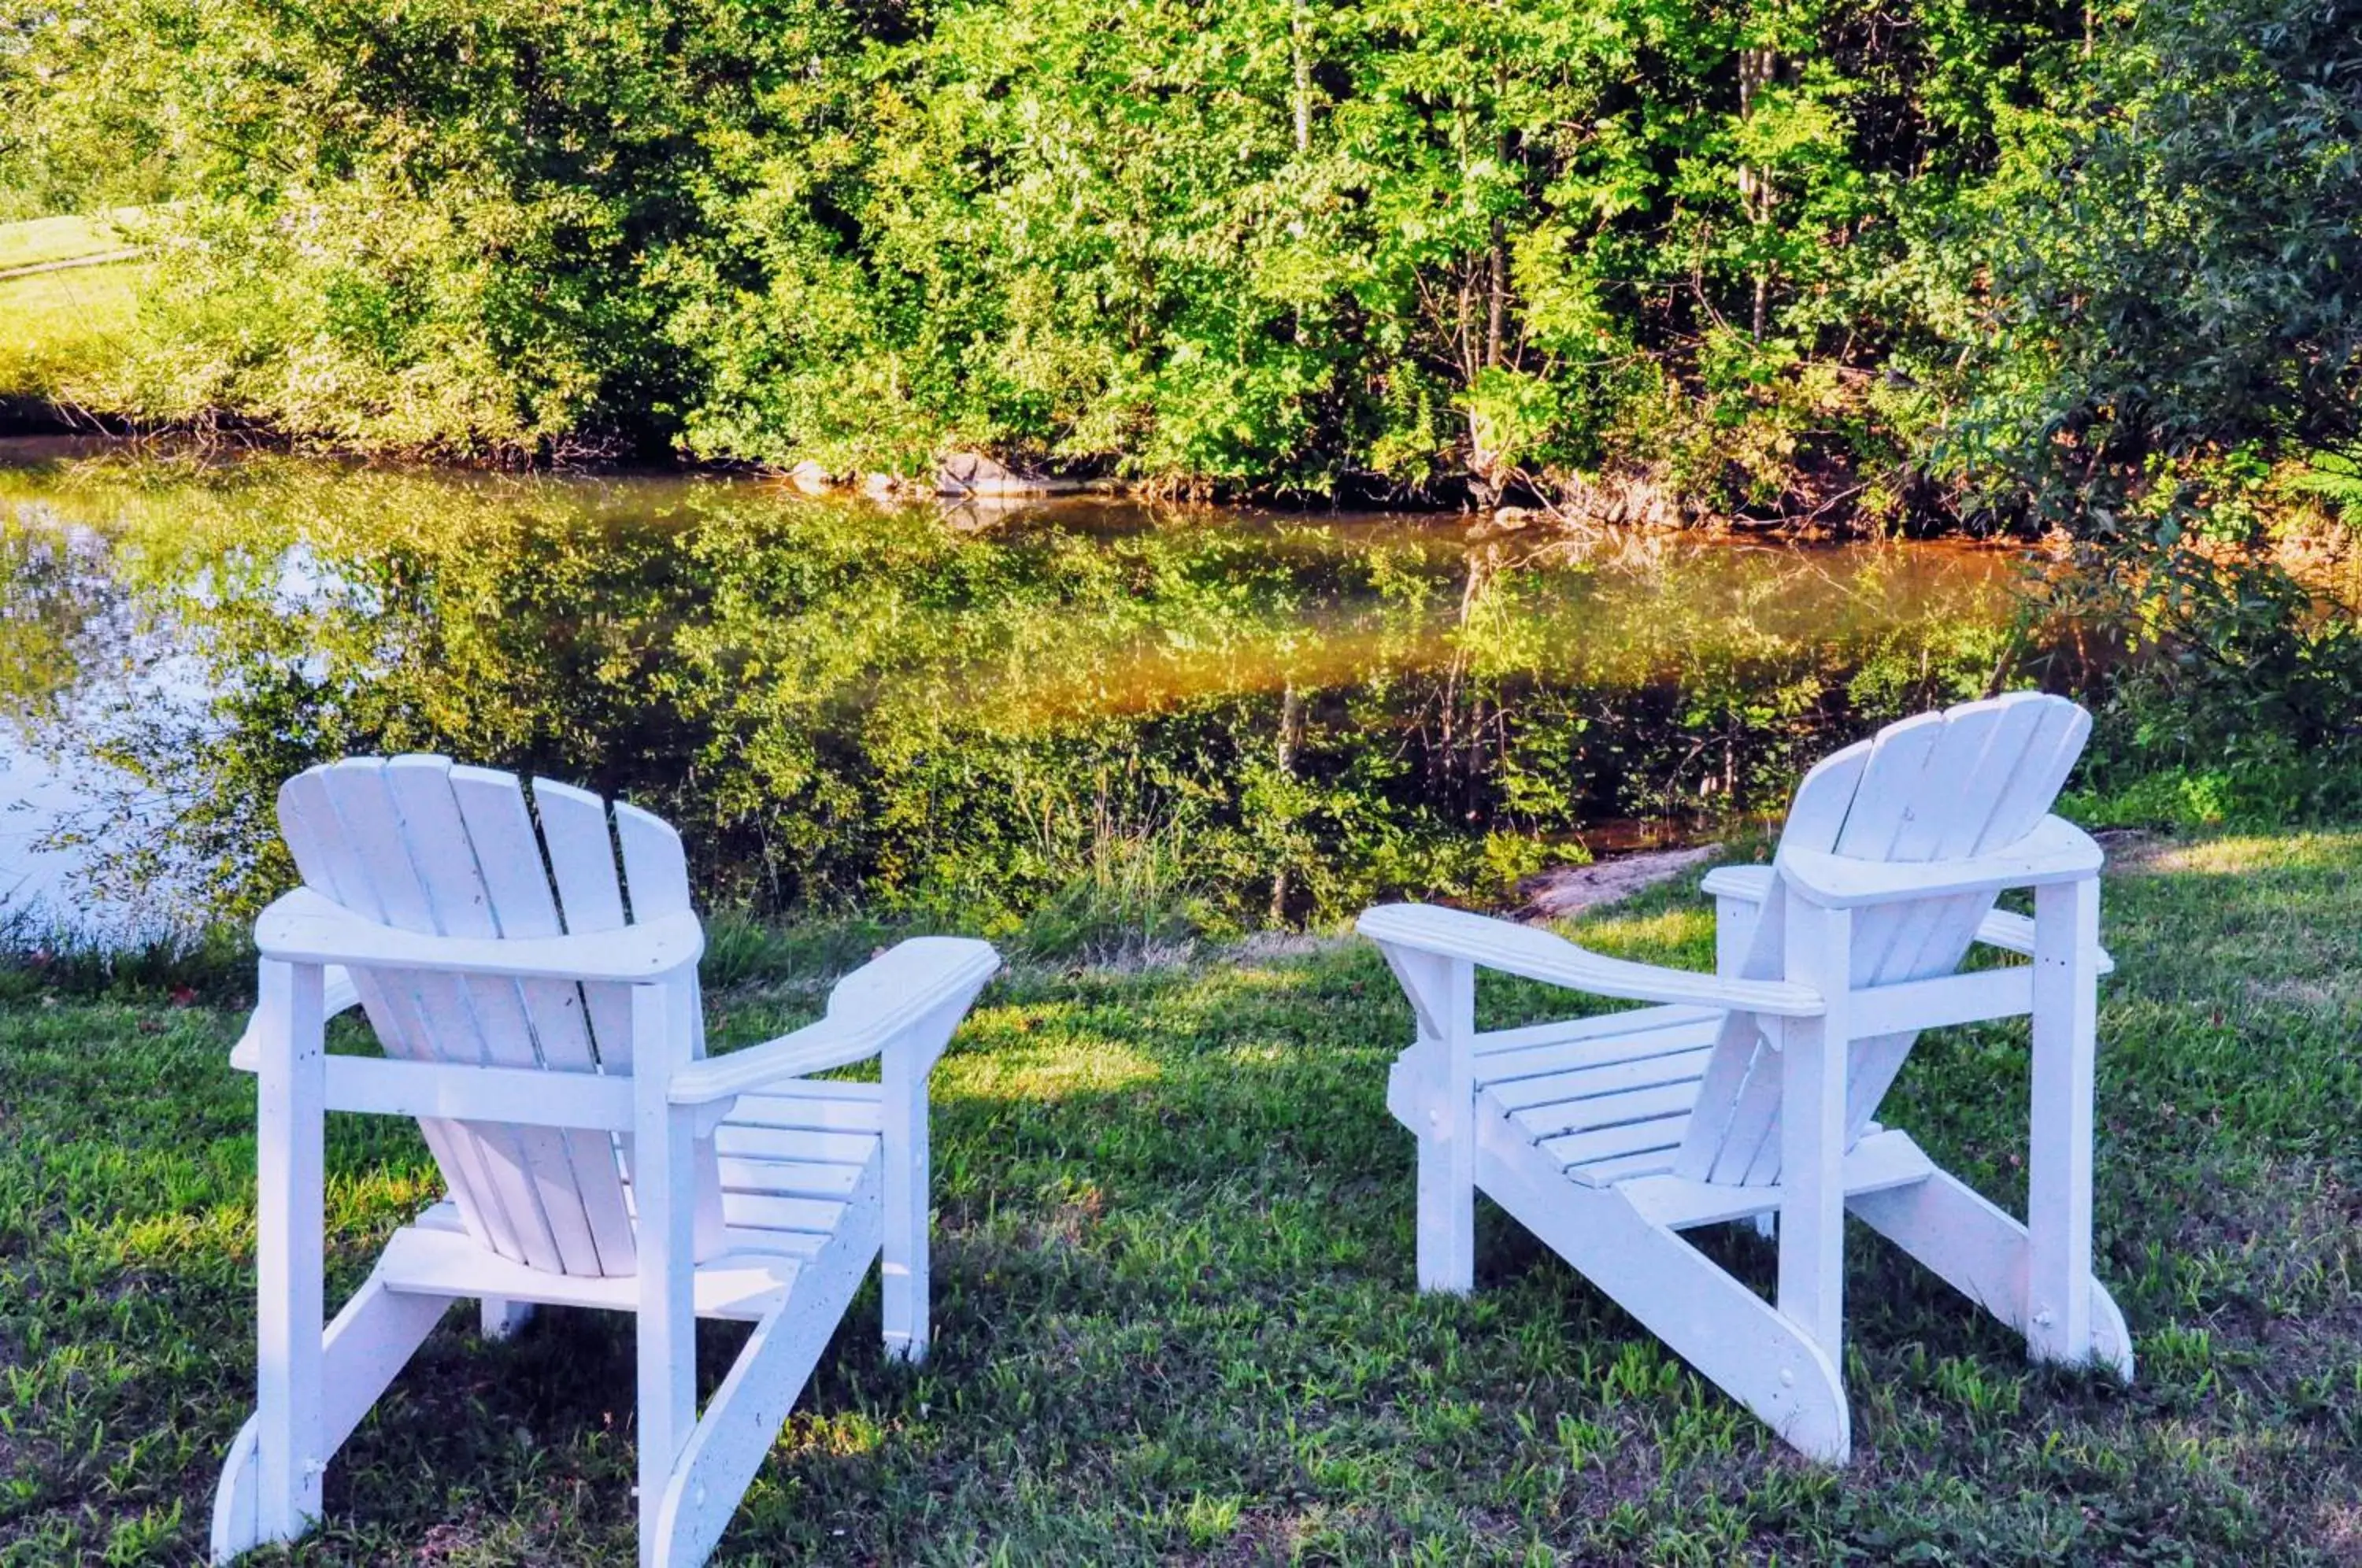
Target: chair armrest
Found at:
x=814, y=1048
x=1751, y=883
x=1538, y=955
x=2056, y=851
x=2014, y=933
x=304, y=927
x=2011, y=933
x=337, y=993
x=868, y=1010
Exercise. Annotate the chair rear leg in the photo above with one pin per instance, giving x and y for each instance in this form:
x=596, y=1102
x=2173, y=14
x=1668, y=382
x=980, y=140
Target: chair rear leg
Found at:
x=2061, y=1321
x=1443, y=995
x=500, y=1318
x=1984, y=1253
x=372, y=1339
x=740, y=1423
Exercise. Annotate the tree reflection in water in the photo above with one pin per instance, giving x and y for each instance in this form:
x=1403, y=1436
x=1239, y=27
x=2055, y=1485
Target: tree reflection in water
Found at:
x=1263, y=716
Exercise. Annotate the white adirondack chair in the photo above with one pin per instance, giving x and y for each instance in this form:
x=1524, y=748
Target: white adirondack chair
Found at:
x=1749, y=1092
x=548, y=1040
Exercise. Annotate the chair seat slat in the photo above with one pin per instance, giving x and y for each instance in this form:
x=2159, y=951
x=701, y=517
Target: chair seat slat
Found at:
x=863, y=1112
x=788, y=1178
x=1653, y=1037
x=809, y=1144
x=1630, y=1138
x=1544, y=1122
x=1628, y=1023
x=1683, y=1065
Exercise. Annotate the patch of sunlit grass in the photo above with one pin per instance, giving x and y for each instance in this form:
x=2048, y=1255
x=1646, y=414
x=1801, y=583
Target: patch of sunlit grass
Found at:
x=1078, y=1063
x=33, y=242
x=2242, y=855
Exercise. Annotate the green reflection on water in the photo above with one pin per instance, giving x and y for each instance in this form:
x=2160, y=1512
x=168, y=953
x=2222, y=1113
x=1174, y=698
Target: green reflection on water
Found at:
x=1262, y=716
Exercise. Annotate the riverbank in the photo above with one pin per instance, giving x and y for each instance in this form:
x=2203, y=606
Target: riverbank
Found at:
x=87, y=345
x=1175, y=1303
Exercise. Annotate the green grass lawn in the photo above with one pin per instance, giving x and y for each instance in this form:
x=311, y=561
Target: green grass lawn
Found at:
x=1175, y=1304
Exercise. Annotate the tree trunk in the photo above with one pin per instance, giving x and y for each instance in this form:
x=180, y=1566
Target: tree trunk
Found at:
x=1300, y=30
x=1497, y=305
x=1291, y=731
x=1756, y=68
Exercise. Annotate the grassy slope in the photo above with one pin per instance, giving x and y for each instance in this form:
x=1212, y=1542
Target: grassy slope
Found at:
x=34, y=240
x=56, y=327
x=1175, y=1310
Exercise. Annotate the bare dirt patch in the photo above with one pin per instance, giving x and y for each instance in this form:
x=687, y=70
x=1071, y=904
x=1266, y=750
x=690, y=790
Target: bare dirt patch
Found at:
x=1567, y=891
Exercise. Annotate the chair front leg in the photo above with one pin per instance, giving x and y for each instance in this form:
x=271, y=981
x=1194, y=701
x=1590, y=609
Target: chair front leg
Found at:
x=905, y=1283
x=664, y=1177
x=1443, y=995
x=903, y=1261
x=289, y=1152
x=500, y=1318
x=2059, y=1168
x=1734, y=930
x=1812, y=1130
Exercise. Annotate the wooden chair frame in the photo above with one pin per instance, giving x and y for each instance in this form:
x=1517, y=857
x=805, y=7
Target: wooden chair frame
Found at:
x=316, y=1380
x=1616, y=1218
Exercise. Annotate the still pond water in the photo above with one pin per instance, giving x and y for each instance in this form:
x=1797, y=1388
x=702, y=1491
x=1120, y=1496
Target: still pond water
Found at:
x=1248, y=716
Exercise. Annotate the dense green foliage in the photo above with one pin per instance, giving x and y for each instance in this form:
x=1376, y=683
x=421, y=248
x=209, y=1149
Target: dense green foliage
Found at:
x=1645, y=256
x=2178, y=368
x=2199, y=290
x=1653, y=255
x=1176, y=1313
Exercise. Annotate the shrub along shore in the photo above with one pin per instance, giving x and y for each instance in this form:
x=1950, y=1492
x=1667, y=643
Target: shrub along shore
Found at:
x=1176, y=1318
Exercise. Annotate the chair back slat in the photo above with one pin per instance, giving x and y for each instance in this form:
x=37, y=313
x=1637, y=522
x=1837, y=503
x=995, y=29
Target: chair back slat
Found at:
x=462, y=903
x=590, y=898
x=1860, y=810
x=2029, y=746
x=656, y=868
x=654, y=865
x=517, y=881
x=331, y=861
x=438, y=1005
x=1895, y=791
x=1983, y=740
x=419, y=844
x=1936, y=787
x=1909, y=795
x=1736, y=1102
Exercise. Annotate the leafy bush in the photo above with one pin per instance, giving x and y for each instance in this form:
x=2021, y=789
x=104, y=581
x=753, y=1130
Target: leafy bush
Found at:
x=1628, y=256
